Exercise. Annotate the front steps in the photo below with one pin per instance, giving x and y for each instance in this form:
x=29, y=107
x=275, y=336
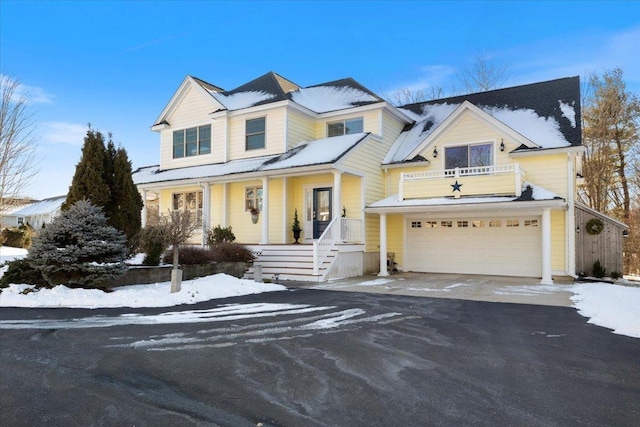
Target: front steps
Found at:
x=289, y=262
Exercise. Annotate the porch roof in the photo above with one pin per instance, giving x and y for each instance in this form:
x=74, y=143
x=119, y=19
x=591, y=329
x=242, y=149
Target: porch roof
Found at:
x=325, y=151
x=538, y=198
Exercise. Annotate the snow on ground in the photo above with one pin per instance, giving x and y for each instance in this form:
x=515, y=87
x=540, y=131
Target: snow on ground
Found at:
x=155, y=295
x=612, y=306
x=9, y=254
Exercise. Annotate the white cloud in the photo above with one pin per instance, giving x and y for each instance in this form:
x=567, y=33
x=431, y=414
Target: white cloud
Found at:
x=32, y=94
x=63, y=133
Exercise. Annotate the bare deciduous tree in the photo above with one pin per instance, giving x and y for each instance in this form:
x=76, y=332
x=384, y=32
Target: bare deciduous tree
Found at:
x=178, y=226
x=404, y=96
x=483, y=74
x=17, y=142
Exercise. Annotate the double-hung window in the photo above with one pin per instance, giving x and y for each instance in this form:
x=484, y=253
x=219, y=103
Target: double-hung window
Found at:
x=345, y=127
x=255, y=134
x=189, y=201
x=253, y=198
x=192, y=142
x=468, y=156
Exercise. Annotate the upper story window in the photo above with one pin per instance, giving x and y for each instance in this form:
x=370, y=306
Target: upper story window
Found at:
x=468, y=156
x=345, y=127
x=255, y=133
x=192, y=141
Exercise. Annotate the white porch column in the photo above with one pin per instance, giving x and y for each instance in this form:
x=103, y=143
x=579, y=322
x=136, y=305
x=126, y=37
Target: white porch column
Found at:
x=546, y=247
x=337, y=199
x=144, y=209
x=225, y=203
x=206, y=210
x=265, y=211
x=383, y=246
x=286, y=225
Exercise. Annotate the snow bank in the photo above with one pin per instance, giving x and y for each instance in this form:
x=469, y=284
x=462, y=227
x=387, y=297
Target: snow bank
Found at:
x=612, y=306
x=155, y=295
x=9, y=254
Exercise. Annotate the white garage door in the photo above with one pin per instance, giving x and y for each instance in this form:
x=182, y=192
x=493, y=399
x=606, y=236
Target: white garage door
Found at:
x=494, y=246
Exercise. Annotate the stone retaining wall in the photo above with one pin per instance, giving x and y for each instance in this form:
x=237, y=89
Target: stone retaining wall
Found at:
x=142, y=275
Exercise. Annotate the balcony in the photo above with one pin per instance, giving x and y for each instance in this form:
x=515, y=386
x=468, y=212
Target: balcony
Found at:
x=474, y=181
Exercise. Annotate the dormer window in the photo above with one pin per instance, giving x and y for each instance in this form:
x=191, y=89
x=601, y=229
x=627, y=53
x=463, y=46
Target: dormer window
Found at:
x=468, y=156
x=192, y=142
x=345, y=127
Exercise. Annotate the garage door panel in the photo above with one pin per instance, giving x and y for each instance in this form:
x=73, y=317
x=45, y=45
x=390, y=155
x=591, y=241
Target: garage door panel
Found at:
x=472, y=247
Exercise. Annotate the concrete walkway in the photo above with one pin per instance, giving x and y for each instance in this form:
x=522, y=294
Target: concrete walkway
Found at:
x=520, y=290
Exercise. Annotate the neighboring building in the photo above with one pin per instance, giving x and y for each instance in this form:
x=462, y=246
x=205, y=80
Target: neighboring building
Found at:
x=479, y=184
x=35, y=214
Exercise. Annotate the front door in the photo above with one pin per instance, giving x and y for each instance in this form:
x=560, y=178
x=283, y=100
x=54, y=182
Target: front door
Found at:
x=321, y=210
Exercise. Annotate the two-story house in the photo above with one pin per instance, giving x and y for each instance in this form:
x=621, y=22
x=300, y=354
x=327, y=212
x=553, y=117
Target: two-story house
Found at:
x=481, y=184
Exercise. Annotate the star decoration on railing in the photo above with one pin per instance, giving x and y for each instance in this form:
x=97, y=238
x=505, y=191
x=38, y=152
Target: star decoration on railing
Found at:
x=456, y=186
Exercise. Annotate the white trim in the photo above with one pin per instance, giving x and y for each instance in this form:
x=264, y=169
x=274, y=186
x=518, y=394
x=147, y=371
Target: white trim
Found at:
x=471, y=207
x=285, y=201
x=187, y=83
x=547, y=278
x=457, y=115
x=546, y=151
x=383, y=246
x=265, y=211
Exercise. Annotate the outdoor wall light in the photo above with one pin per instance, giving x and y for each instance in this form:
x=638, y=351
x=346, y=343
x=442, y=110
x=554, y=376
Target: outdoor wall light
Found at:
x=501, y=144
x=577, y=229
x=435, y=153
x=625, y=234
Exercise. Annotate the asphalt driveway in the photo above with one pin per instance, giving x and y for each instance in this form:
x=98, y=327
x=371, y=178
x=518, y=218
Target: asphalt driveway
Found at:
x=316, y=358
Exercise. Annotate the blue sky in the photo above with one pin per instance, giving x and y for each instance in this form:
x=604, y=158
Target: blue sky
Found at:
x=116, y=64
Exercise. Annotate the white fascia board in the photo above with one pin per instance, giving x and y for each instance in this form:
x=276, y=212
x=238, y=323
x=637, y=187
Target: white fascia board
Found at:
x=352, y=110
x=543, y=151
x=451, y=121
x=499, y=207
x=397, y=113
x=187, y=83
x=424, y=163
x=258, y=108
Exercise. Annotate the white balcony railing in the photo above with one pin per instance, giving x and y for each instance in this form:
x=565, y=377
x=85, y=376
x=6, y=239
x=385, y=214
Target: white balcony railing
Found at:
x=486, y=178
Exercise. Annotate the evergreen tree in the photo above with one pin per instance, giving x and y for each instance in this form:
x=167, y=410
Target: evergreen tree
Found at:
x=78, y=248
x=89, y=179
x=126, y=201
x=103, y=176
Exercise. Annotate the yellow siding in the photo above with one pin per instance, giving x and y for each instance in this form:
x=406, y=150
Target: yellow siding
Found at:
x=276, y=210
x=503, y=184
x=300, y=127
x=191, y=111
x=217, y=205
x=352, y=195
x=558, y=247
x=371, y=123
x=274, y=133
x=395, y=233
x=548, y=172
x=245, y=231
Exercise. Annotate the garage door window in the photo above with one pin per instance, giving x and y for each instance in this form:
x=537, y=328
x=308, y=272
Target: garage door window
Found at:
x=430, y=224
x=495, y=223
x=513, y=223
x=477, y=224
x=463, y=224
x=530, y=222
x=416, y=224
x=446, y=224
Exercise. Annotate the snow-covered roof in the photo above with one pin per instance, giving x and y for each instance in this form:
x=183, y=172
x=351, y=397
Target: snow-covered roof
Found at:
x=317, y=152
x=537, y=194
x=43, y=207
x=322, y=99
x=546, y=113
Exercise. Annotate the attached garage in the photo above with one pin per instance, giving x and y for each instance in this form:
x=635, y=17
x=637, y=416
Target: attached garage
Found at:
x=505, y=246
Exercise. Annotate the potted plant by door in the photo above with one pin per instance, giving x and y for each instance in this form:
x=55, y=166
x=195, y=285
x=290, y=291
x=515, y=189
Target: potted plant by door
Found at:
x=295, y=227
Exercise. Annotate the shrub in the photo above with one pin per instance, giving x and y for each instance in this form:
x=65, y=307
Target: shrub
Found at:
x=79, y=248
x=190, y=255
x=220, y=234
x=153, y=242
x=598, y=271
x=18, y=237
x=231, y=252
x=615, y=275
x=20, y=271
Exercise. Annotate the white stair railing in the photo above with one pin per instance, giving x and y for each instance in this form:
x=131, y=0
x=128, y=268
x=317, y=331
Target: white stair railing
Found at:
x=322, y=247
x=351, y=229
